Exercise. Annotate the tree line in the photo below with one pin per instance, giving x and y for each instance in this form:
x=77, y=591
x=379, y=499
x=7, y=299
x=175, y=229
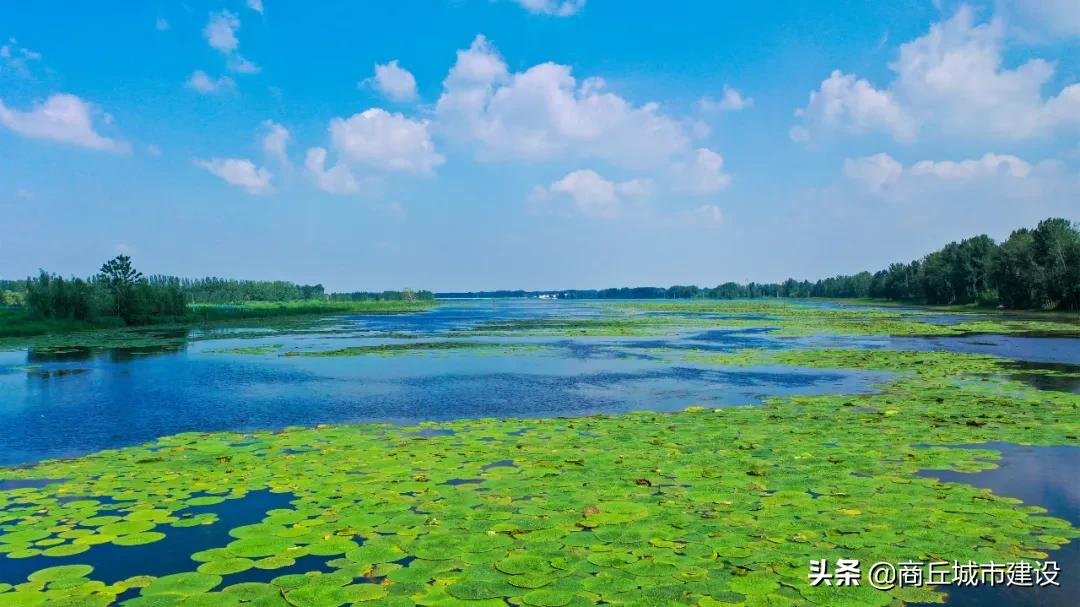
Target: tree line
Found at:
x=403, y=295
x=120, y=294
x=1033, y=269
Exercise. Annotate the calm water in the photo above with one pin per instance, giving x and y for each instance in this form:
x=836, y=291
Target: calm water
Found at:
x=79, y=401
x=60, y=404
x=1041, y=476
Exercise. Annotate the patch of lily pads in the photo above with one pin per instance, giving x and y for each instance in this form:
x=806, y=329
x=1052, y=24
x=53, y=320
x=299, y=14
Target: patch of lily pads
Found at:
x=701, y=507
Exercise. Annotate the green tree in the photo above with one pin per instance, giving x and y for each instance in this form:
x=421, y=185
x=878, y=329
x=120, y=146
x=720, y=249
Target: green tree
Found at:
x=120, y=278
x=1054, y=242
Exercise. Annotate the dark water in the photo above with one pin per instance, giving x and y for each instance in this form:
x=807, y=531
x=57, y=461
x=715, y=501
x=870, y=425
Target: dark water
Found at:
x=1040, y=476
x=60, y=404
x=113, y=563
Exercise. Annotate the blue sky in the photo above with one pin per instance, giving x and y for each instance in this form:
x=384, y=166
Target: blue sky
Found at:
x=481, y=144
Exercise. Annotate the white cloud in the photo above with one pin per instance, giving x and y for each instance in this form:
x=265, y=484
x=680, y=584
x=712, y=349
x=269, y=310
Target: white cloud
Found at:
x=479, y=64
x=393, y=81
x=255, y=5
x=275, y=141
x=17, y=58
x=732, y=101
x=1042, y=19
x=220, y=31
x=951, y=80
x=708, y=214
x=882, y=173
x=64, y=118
x=851, y=104
x=240, y=65
x=873, y=173
x=989, y=165
x=241, y=173
x=203, y=83
x=385, y=140
x=335, y=180
x=592, y=194
x=636, y=188
x=161, y=24
x=703, y=175
x=152, y=149
x=555, y=8
x=544, y=113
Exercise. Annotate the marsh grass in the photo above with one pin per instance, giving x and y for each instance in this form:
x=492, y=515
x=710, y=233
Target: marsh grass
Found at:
x=20, y=329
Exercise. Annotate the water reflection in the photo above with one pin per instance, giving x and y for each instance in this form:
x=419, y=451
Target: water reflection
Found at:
x=113, y=563
x=1042, y=476
x=127, y=396
x=68, y=401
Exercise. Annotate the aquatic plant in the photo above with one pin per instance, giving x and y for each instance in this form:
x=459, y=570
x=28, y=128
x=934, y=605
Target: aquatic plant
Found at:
x=413, y=347
x=706, y=507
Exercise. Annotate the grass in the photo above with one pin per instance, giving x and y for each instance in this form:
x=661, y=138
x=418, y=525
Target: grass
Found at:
x=249, y=310
x=17, y=322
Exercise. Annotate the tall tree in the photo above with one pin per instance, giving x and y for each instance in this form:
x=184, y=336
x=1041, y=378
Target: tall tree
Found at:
x=120, y=278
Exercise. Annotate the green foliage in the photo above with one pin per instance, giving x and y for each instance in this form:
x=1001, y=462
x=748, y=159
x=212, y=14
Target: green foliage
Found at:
x=120, y=278
x=120, y=295
x=1037, y=268
x=737, y=501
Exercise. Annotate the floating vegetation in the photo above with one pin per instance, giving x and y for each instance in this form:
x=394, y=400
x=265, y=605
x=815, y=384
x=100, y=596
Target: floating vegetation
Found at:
x=706, y=507
x=788, y=318
x=249, y=350
x=419, y=347
x=792, y=318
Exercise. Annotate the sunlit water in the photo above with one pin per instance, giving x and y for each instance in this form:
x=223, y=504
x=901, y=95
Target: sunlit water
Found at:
x=1040, y=476
x=79, y=401
x=73, y=402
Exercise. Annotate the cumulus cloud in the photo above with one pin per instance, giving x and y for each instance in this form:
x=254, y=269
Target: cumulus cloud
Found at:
x=731, y=101
x=240, y=172
x=853, y=104
x=220, y=31
x=202, y=82
x=240, y=65
x=704, y=174
x=337, y=179
x=989, y=165
x=275, y=141
x=1042, y=19
x=64, y=118
x=555, y=8
x=393, y=81
x=591, y=194
x=882, y=173
x=951, y=80
x=385, y=140
x=545, y=112
x=255, y=5
x=873, y=173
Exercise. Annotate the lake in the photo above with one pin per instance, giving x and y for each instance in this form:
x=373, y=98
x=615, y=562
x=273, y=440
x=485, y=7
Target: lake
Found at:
x=493, y=370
